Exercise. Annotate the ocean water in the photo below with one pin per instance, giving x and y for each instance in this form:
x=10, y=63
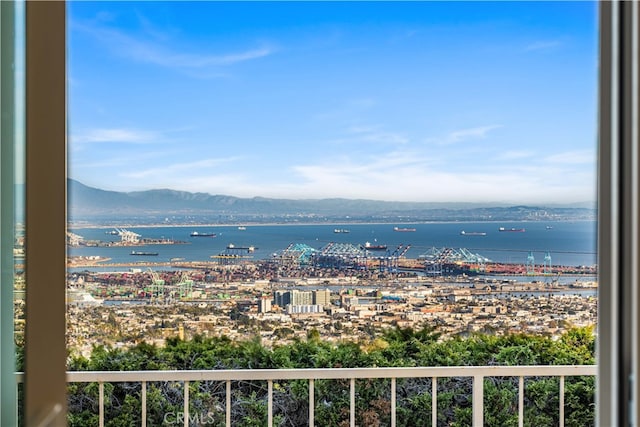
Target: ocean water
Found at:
x=568, y=243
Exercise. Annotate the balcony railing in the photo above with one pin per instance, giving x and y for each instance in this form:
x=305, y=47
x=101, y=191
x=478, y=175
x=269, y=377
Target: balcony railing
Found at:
x=476, y=373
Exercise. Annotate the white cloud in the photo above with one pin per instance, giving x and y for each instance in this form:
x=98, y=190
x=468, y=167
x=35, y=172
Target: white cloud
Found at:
x=378, y=168
x=187, y=170
x=405, y=181
x=515, y=155
x=405, y=176
x=160, y=53
x=149, y=28
x=228, y=183
x=371, y=134
x=165, y=58
x=573, y=157
x=131, y=136
x=394, y=177
x=461, y=135
x=542, y=45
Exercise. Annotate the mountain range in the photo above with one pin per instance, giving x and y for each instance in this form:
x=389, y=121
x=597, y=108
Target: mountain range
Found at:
x=89, y=204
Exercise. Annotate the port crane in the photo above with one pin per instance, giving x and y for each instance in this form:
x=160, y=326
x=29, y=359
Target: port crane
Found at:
x=296, y=254
x=437, y=260
x=156, y=289
x=338, y=255
x=531, y=264
x=389, y=262
x=127, y=236
x=546, y=267
x=185, y=286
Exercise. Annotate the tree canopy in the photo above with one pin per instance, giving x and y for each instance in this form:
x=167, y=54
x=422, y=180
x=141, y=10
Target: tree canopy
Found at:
x=395, y=347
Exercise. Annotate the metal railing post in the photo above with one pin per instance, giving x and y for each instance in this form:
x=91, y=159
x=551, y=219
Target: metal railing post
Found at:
x=561, y=391
x=434, y=401
x=228, y=408
x=352, y=402
x=477, y=373
x=144, y=404
x=185, y=411
x=478, y=400
x=393, y=402
x=312, y=404
x=521, y=401
x=101, y=403
x=270, y=403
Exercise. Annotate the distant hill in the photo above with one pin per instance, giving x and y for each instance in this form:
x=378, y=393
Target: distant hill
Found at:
x=88, y=203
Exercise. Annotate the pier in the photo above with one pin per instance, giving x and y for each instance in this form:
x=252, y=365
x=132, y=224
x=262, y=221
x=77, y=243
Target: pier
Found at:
x=372, y=263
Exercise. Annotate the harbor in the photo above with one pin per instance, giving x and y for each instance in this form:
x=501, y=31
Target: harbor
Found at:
x=566, y=243
x=458, y=278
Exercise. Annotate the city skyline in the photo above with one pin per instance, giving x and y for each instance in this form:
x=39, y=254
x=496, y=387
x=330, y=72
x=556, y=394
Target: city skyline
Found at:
x=433, y=102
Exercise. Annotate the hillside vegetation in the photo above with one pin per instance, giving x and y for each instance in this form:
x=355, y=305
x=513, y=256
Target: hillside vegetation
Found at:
x=398, y=347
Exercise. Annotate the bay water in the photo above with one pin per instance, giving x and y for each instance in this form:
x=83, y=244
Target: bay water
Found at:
x=568, y=243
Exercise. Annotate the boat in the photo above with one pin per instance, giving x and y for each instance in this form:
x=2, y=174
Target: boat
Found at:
x=549, y=227
x=341, y=230
x=472, y=233
x=197, y=234
x=368, y=246
x=514, y=230
x=112, y=232
x=242, y=228
x=138, y=253
x=249, y=249
x=403, y=229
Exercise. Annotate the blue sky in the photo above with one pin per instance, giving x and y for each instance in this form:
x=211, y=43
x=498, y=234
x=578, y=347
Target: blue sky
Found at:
x=418, y=101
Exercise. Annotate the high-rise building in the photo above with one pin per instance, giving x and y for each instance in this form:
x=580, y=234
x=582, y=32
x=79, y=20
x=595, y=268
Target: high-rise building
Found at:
x=264, y=305
x=301, y=297
x=322, y=297
x=282, y=298
x=293, y=297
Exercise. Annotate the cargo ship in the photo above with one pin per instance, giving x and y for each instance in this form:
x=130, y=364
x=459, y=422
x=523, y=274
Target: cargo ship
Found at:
x=249, y=249
x=144, y=253
x=368, y=246
x=472, y=233
x=197, y=234
x=515, y=230
x=403, y=229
